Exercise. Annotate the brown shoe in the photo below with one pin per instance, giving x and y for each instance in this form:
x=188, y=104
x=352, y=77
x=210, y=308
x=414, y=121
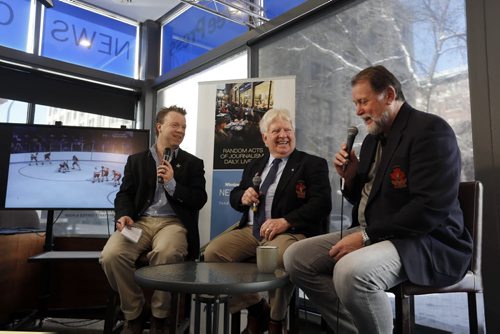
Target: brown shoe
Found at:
x=133, y=326
x=258, y=320
x=158, y=325
x=276, y=327
x=137, y=325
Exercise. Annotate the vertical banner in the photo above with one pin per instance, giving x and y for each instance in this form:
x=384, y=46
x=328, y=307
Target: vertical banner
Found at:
x=229, y=137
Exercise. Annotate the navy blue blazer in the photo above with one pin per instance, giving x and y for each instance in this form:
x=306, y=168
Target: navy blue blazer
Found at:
x=139, y=185
x=303, y=194
x=414, y=198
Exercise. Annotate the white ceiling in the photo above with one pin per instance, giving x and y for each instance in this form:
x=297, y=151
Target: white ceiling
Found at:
x=137, y=10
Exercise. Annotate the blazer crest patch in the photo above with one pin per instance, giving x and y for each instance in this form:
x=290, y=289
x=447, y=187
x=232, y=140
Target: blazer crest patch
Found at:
x=398, y=178
x=300, y=189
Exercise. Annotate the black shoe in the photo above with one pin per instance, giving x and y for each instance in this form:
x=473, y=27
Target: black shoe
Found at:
x=158, y=325
x=259, y=316
x=276, y=327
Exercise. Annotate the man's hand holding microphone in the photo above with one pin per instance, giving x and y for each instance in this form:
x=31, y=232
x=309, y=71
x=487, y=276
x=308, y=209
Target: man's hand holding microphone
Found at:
x=165, y=171
x=346, y=162
x=252, y=194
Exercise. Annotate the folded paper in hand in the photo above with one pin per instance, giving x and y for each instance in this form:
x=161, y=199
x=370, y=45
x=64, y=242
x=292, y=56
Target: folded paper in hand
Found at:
x=133, y=233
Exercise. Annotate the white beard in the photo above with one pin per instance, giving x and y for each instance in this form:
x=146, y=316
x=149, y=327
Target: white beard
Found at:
x=380, y=124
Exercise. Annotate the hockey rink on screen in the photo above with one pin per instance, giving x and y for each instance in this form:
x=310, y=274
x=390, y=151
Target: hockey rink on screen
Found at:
x=40, y=183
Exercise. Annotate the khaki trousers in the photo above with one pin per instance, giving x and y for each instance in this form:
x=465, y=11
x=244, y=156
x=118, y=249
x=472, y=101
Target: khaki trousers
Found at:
x=164, y=240
x=240, y=245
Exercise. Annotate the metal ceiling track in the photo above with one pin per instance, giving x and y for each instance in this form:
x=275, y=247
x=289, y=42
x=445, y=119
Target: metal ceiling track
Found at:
x=232, y=9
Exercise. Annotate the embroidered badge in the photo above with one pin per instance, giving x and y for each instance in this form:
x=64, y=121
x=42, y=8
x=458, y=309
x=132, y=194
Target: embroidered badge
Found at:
x=300, y=189
x=398, y=178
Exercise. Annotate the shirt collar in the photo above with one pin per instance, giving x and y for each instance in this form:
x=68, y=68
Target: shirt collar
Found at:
x=271, y=160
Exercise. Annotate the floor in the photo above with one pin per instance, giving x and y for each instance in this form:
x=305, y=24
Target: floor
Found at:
x=82, y=326
x=311, y=325
x=433, y=317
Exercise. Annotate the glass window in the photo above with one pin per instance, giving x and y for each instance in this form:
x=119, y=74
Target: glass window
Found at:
x=274, y=8
x=424, y=43
x=79, y=36
x=49, y=115
x=12, y=111
x=193, y=33
x=181, y=93
x=14, y=23
x=433, y=70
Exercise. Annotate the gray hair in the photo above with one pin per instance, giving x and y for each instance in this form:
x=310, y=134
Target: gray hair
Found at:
x=271, y=115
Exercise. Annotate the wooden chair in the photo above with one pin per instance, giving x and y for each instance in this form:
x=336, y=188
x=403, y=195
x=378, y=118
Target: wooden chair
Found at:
x=471, y=201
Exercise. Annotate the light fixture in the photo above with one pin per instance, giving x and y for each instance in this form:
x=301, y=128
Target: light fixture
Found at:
x=243, y=12
x=85, y=43
x=47, y=3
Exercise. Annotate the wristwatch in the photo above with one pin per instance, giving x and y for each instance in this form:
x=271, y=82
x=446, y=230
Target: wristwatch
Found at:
x=366, y=238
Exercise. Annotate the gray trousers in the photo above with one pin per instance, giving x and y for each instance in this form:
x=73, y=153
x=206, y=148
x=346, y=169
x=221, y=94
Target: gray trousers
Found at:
x=164, y=238
x=349, y=294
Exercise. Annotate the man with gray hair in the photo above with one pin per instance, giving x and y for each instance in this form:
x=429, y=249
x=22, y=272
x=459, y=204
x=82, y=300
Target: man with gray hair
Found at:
x=293, y=203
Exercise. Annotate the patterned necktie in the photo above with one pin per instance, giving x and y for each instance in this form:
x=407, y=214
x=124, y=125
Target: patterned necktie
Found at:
x=260, y=215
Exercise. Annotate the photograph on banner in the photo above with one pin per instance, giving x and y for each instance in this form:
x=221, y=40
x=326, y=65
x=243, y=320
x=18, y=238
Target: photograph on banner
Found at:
x=239, y=108
x=228, y=137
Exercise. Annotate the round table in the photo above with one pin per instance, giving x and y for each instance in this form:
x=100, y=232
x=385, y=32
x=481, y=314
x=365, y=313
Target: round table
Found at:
x=218, y=280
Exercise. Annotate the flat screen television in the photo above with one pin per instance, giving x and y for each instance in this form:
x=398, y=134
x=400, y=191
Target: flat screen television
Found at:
x=64, y=167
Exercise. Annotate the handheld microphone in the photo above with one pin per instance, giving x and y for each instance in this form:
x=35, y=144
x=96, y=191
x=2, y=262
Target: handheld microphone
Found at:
x=256, y=180
x=352, y=132
x=167, y=155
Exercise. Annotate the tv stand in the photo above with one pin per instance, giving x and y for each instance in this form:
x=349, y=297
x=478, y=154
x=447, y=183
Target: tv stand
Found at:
x=47, y=260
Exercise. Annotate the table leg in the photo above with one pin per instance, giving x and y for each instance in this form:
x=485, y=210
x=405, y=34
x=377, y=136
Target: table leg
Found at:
x=197, y=307
x=209, y=315
x=172, y=327
x=216, y=314
x=226, y=317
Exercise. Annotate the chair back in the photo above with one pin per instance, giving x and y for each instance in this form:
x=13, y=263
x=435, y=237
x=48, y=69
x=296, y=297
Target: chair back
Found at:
x=470, y=196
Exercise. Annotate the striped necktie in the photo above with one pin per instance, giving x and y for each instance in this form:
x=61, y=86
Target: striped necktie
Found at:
x=260, y=215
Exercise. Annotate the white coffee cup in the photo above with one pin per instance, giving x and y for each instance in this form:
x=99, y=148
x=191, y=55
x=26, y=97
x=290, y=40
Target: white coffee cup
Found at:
x=267, y=258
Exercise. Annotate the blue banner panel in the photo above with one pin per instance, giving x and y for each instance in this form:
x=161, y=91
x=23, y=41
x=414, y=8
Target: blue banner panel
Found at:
x=82, y=37
x=223, y=215
x=194, y=33
x=274, y=8
x=14, y=23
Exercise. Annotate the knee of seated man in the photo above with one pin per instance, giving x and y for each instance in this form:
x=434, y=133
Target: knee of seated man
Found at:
x=291, y=258
x=211, y=253
x=347, y=272
x=108, y=256
x=167, y=255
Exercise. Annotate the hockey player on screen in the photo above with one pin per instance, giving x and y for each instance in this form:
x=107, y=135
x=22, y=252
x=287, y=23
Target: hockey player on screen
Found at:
x=34, y=157
x=104, y=173
x=46, y=157
x=75, y=163
x=63, y=167
x=117, y=176
x=97, y=175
